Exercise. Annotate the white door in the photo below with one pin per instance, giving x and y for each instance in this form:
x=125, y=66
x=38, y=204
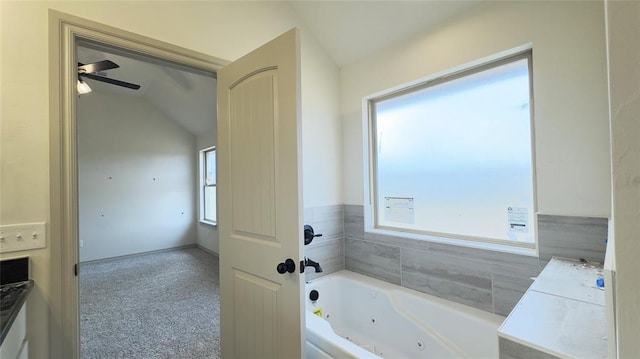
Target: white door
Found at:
x=260, y=202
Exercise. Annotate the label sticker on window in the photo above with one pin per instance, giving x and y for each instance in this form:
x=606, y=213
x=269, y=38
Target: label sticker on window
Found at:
x=399, y=210
x=518, y=219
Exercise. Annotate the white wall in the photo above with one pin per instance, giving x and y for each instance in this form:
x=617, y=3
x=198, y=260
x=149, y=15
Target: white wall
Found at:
x=623, y=29
x=223, y=29
x=136, y=178
x=569, y=76
x=206, y=233
x=321, y=126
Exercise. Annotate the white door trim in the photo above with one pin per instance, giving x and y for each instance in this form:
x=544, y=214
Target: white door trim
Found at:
x=64, y=32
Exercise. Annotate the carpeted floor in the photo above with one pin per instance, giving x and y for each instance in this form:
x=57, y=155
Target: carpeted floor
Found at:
x=159, y=305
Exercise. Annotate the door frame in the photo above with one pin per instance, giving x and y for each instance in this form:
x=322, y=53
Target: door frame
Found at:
x=64, y=32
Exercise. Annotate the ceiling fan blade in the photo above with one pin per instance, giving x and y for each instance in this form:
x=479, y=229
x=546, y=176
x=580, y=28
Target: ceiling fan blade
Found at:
x=111, y=81
x=97, y=66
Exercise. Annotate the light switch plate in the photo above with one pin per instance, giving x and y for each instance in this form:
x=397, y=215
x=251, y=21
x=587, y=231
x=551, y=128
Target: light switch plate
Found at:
x=22, y=237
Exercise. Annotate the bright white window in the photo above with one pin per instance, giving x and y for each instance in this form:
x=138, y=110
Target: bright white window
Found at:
x=208, y=212
x=452, y=157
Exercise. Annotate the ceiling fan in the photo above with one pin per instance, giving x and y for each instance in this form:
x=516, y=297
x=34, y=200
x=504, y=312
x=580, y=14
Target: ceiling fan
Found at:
x=92, y=71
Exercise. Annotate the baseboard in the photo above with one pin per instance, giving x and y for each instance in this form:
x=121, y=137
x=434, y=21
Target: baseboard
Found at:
x=143, y=253
x=207, y=250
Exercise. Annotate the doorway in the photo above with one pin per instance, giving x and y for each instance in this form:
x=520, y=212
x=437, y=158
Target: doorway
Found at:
x=269, y=78
x=148, y=270
x=67, y=33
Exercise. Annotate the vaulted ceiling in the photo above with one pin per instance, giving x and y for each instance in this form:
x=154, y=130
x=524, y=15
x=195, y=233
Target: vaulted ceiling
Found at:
x=187, y=97
x=348, y=30
x=351, y=30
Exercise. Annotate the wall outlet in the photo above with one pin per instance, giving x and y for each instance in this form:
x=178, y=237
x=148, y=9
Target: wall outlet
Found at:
x=22, y=237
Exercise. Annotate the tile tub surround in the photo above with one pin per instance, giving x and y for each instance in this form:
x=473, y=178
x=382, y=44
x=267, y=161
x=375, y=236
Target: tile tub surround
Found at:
x=572, y=237
x=512, y=350
x=488, y=280
x=327, y=250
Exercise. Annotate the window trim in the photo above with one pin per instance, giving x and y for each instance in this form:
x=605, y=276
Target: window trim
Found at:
x=370, y=156
x=202, y=185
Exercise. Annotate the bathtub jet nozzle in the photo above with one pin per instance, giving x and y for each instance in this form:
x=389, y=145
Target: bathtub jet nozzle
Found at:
x=310, y=263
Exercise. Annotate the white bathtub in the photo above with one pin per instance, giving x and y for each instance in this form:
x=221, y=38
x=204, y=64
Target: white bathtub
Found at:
x=389, y=321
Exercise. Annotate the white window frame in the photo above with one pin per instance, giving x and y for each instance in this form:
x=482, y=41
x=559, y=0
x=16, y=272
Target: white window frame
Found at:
x=369, y=157
x=202, y=184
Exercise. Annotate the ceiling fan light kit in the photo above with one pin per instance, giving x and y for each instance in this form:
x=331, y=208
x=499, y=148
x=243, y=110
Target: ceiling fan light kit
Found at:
x=83, y=88
x=91, y=71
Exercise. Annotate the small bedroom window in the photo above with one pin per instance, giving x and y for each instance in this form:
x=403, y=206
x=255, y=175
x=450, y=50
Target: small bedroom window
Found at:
x=208, y=212
x=452, y=157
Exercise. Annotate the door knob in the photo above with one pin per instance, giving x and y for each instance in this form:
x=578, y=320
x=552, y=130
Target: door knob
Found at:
x=288, y=266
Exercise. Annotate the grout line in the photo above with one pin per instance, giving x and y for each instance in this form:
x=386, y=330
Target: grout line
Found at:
x=493, y=295
x=567, y=298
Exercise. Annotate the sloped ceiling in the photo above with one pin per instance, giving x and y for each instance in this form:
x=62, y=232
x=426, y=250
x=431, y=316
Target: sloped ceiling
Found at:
x=351, y=30
x=348, y=30
x=187, y=97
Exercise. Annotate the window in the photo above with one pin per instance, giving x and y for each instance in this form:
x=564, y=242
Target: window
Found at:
x=208, y=212
x=452, y=157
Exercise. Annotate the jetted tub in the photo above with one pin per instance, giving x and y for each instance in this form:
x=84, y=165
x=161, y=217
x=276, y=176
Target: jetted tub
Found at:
x=360, y=317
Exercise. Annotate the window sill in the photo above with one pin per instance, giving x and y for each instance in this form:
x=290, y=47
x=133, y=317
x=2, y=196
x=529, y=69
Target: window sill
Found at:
x=209, y=223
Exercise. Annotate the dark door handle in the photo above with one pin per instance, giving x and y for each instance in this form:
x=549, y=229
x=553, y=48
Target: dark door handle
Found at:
x=289, y=266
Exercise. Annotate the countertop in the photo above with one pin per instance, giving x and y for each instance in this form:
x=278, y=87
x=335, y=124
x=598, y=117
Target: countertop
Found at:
x=562, y=313
x=12, y=297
